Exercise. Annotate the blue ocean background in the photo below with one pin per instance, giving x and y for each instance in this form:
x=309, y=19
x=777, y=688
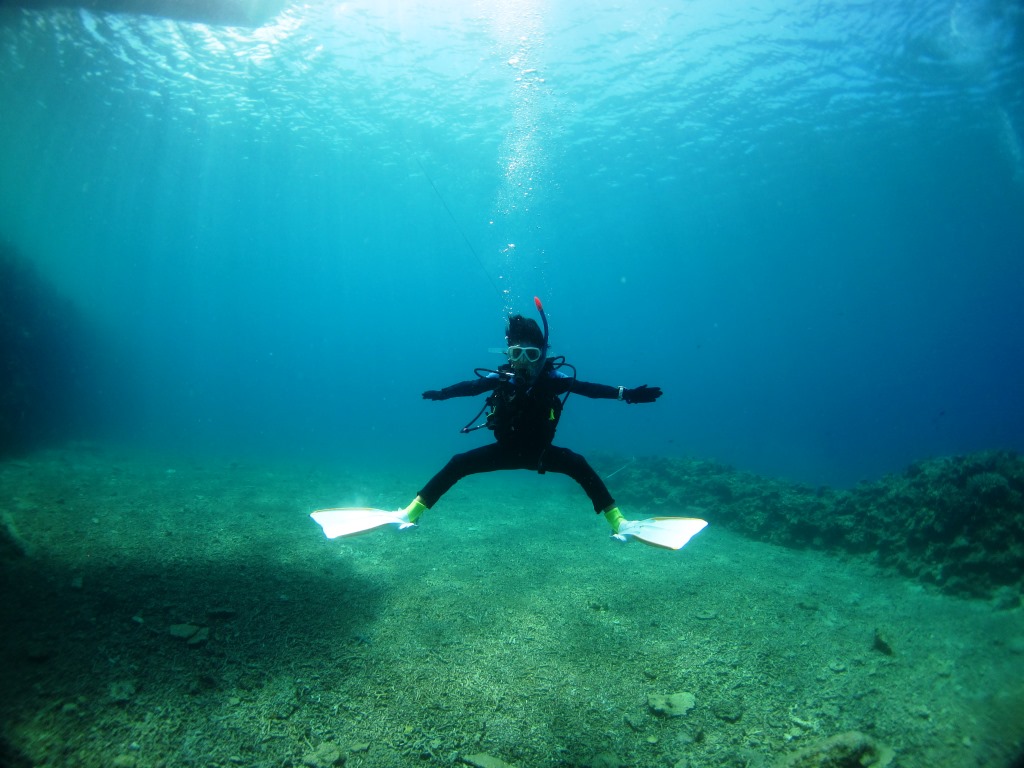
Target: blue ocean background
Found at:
x=803, y=220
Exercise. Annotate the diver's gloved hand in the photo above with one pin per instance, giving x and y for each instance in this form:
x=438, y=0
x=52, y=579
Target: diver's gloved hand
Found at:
x=433, y=394
x=641, y=394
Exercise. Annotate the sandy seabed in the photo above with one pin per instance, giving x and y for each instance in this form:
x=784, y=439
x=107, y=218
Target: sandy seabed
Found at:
x=172, y=612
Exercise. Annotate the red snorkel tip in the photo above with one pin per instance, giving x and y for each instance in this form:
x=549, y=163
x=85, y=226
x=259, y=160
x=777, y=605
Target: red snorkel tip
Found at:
x=536, y=300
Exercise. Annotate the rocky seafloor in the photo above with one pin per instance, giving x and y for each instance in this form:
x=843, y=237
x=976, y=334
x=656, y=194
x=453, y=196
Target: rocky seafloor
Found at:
x=177, y=611
x=955, y=522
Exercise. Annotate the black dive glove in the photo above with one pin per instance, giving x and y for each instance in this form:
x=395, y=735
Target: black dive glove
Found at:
x=433, y=394
x=641, y=394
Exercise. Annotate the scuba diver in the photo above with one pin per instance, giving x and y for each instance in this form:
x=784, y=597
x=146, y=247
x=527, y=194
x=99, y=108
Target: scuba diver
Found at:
x=525, y=404
x=527, y=395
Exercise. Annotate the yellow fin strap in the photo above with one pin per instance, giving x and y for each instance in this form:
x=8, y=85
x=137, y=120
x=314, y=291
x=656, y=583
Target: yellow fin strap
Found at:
x=414, y=510
x=614, y=517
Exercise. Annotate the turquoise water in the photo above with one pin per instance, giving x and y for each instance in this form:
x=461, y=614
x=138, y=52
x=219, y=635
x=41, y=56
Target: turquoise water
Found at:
x=803, y=220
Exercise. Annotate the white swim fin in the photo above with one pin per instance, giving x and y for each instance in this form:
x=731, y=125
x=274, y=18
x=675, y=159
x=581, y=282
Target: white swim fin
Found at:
x=355, y=520
x=667, y=532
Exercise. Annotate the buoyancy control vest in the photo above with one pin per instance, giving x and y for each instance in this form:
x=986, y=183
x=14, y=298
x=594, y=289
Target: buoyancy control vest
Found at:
x=524, y=415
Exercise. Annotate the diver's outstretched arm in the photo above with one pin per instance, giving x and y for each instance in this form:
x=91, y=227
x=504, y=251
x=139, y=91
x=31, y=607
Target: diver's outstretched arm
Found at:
x=641, y=394
x=462, y=389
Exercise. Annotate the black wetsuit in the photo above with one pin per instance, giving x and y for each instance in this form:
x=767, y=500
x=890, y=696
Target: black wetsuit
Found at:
x=524, y=418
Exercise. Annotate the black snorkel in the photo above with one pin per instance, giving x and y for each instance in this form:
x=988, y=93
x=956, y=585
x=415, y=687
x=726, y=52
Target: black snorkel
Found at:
x=557, y=362
x=543, y=319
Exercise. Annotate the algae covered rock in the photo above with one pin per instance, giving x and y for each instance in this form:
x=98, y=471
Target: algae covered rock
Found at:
x=956, y=522
x=190, y=633
x=324, y=756
x=183, y=631
x=845, y=750
x=12, y=546
x=606, y=760
x=671, y=704
x=483, y=760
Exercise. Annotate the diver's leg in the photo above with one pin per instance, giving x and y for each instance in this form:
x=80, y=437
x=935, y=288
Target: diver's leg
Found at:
x=486, y=458
x=575, y=466
x=566, y=462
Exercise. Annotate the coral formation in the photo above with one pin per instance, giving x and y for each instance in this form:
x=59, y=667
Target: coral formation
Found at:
x=954, y=522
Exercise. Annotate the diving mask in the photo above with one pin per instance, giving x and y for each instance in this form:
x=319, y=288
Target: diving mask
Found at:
x=517, y=354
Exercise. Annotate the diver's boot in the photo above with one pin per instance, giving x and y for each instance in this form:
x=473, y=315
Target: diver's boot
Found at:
x=614, y=517
x=412, y=513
